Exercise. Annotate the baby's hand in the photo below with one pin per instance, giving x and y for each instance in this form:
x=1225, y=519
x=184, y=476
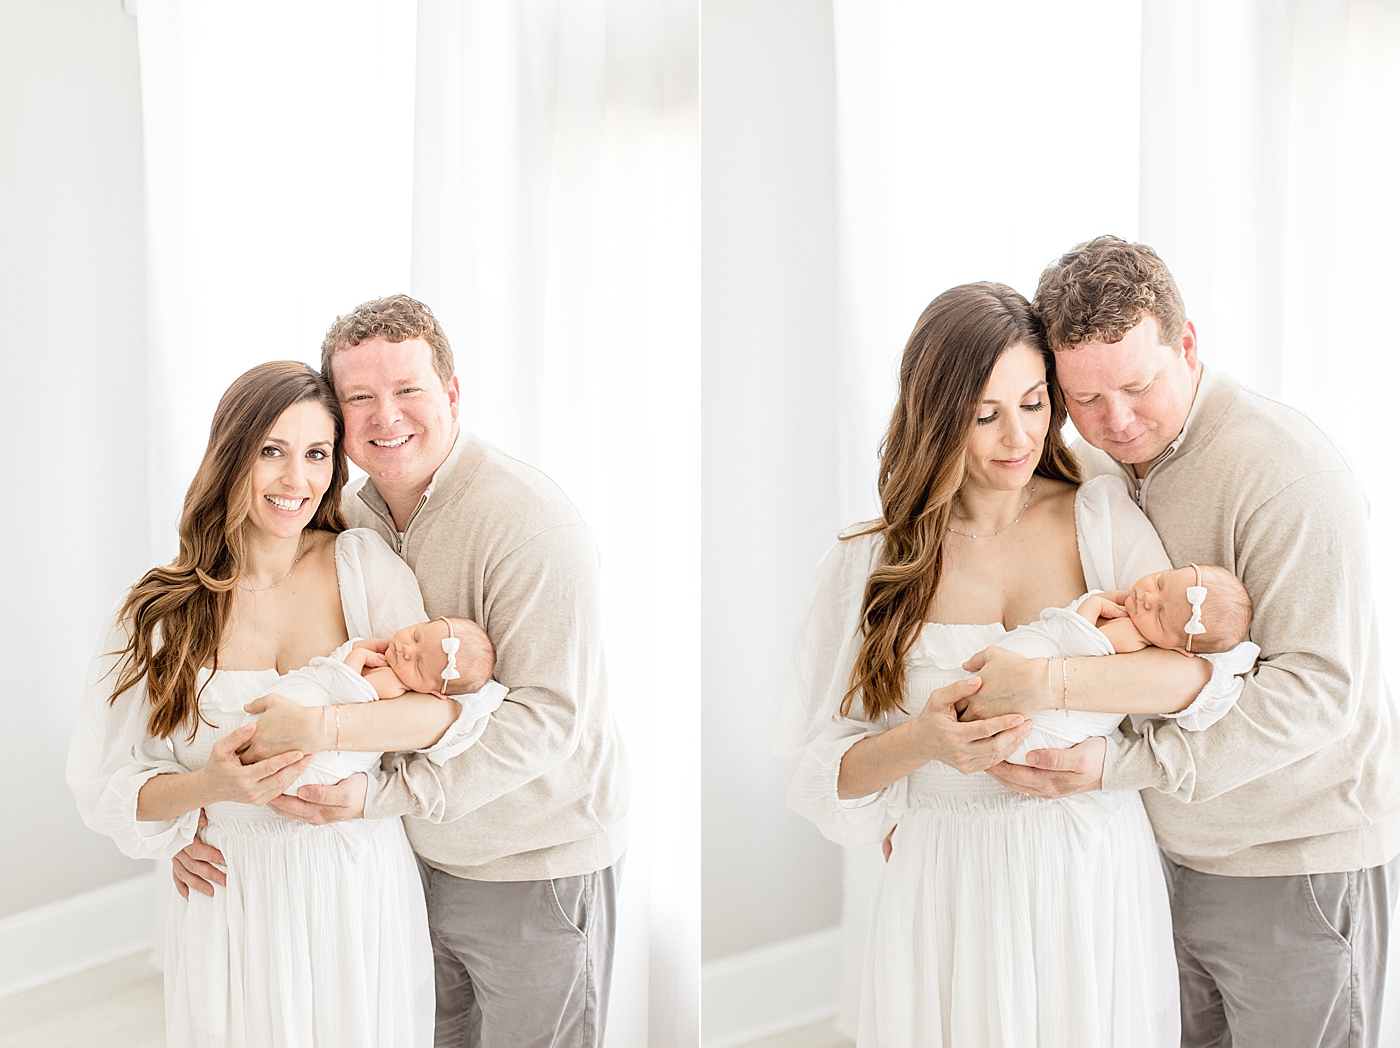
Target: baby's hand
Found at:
x=358, y=660
x=1102, y=606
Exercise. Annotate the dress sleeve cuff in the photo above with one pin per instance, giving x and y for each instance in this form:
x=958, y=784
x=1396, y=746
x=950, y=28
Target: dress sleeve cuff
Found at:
x=477, y=708
x=151, y=839
x=1228, y=672
x=812, y=792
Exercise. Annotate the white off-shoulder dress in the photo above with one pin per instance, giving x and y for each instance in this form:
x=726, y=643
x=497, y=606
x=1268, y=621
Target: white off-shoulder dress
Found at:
x=1001, y=920
x=320, y=937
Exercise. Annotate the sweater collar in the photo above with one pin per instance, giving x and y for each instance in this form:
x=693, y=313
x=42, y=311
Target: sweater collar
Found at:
x=448, y=479
x=1214, y=395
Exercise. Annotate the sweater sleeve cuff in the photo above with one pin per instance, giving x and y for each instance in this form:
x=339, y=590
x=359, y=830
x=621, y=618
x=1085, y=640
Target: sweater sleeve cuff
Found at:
x=385, y=796
x=1129, y=764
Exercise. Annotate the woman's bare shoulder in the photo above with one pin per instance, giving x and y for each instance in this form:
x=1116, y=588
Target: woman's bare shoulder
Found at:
x=1056, y=496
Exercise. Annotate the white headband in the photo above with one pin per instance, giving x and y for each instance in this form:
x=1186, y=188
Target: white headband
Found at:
x=450, y=644
x=1196, y=595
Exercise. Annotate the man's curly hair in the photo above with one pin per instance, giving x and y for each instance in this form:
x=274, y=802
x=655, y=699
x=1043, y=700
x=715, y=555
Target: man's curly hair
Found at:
x=397, y=318
x=1102, y=289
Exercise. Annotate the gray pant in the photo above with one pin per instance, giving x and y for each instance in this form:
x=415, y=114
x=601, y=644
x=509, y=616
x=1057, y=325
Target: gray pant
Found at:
x=1276, y=962
x=522, y=964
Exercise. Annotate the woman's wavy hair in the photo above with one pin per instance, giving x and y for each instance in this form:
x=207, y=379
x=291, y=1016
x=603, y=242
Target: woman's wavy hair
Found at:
x=175, y=615
x=947, y=363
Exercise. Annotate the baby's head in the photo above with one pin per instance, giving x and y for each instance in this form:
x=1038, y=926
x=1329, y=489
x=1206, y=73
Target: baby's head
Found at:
x=419, y=656
x=1160, y=608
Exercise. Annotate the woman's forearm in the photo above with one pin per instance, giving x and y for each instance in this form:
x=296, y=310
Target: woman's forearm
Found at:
x=172, y=794
x=410, y=722
x=880, y=760
x=1153, y=680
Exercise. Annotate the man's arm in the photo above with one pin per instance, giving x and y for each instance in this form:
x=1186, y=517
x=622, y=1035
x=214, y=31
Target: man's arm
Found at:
x=1304, y=557
x=543, y=613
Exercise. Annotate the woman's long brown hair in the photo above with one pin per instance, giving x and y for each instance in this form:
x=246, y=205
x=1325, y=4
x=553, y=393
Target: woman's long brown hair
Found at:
x=175, y=615
x=947, y=363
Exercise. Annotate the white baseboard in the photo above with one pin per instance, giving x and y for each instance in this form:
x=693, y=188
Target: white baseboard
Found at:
x=764, y=992
x=72, y=935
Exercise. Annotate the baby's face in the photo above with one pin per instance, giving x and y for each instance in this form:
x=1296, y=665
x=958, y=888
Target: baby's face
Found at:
x=415, y=655
x=1158, y=606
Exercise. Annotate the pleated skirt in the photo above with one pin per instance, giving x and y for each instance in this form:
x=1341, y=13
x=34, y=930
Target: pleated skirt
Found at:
x=1007, y=921
x=320, y=940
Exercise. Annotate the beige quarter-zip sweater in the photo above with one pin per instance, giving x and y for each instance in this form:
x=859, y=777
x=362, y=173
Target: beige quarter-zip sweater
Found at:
x=1303, y=774
x=544, y=792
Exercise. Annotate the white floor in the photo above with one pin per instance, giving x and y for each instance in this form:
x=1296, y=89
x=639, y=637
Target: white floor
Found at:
x=119, y=1005
x=823, y=1035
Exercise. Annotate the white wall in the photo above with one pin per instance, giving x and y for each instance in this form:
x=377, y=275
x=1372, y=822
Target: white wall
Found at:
x=72, y=377
x=769, y=499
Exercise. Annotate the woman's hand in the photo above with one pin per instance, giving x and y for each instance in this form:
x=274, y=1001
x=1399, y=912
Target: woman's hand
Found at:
x=226, y=778
x=284, y=725
x=1011, y=683
x=935, y=734
x=967, y=746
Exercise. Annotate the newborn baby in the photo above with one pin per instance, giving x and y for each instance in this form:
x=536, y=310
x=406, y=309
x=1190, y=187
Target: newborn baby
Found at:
x=1198, y=609
x=447, y=656
x=442, y=657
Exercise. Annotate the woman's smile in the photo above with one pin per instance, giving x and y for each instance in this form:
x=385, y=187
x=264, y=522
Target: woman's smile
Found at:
x=288, y=505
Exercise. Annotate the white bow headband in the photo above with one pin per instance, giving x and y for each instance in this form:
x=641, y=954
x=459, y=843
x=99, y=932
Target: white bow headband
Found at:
x=450, y=644
x=1196, y=596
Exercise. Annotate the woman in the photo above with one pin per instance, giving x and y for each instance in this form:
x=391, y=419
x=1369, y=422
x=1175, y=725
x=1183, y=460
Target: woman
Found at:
x=1000, y=919
x=320, y=935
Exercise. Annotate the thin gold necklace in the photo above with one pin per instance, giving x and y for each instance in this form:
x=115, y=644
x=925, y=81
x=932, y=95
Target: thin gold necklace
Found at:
x=300, y=546
x=969, y=535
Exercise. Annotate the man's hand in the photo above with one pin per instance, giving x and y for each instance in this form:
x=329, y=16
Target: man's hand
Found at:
x=1056, y=773
x=319, y=805
x=197, y=866
x=1011, y=683
x=284, y=725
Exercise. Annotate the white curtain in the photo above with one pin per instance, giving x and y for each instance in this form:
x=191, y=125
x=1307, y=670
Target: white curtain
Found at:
x=530, y=170
x=556, y=235
x=279, y=185
x=1253, y=145
x=1270, y=146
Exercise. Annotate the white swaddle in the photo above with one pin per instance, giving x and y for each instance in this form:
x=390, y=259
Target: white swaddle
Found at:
x=327, y=681
x=1060, y=633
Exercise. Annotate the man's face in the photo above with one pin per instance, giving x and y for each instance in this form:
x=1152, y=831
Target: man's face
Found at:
x=1130, y=397
x=399, y=420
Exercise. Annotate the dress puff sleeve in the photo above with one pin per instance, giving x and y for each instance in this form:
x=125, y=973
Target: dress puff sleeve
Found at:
x=1118, y=546
x=111, y=756
x=812, y=736
x=378, y=591
x=379, y=595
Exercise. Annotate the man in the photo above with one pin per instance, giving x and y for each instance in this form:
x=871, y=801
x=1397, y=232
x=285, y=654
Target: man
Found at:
x=1280, y=824
x=520, y=836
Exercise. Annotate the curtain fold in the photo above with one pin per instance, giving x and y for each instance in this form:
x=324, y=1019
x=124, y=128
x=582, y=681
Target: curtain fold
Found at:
x=555, y=233
x=278, y=195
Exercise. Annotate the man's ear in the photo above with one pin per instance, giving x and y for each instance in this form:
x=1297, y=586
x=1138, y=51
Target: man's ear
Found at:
x=1188, y=344
x=454, y=396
